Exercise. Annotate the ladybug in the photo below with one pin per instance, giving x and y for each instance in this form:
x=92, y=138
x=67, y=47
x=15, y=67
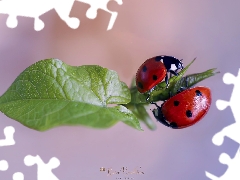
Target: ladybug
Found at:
x=185, y=108
x=154, y=70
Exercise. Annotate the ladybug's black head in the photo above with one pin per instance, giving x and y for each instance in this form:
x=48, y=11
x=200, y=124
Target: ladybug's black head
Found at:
x=180, y=64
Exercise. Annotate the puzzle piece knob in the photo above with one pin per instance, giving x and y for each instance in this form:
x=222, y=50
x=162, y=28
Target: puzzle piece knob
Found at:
x=224, y=158
x=229, y=78
x=218, y=139
x=221, y=104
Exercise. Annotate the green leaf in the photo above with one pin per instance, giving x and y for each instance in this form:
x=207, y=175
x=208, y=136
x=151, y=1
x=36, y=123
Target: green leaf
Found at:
x=50, y=93
x=192, y=79
x=141, y=113
x=137, y=97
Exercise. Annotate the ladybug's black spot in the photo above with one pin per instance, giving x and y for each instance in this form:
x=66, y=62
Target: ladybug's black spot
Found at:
x=198, y=93
x=140, y=85
x=155, y=77
x=189, y=113
x=173, y=125
x=144, y=69
x=176, y=103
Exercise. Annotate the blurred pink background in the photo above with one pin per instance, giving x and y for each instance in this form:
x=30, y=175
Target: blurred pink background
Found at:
x=208, y=30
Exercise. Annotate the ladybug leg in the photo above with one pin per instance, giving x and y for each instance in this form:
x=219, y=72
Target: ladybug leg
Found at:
x=170, y=75
x=174, y=72
x=159, y=107
x=186, y=85
x=181, y=89
x=166, y=79
x=148, y=97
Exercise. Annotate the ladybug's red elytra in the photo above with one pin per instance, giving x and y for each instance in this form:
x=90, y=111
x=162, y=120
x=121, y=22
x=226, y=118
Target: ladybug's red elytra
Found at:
x=154, y=70
x=185, y=108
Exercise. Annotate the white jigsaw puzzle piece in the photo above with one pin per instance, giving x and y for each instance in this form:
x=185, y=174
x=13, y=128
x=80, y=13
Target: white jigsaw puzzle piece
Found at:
x=44, y=170
x=231, y=131
x=232, y=172
x=36, y=8
x=101, y=4
x=229, y=78
x=9, y=140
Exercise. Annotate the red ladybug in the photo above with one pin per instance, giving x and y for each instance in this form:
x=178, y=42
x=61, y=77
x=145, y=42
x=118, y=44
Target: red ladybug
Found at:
x=154, y=70
x=185, y=108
